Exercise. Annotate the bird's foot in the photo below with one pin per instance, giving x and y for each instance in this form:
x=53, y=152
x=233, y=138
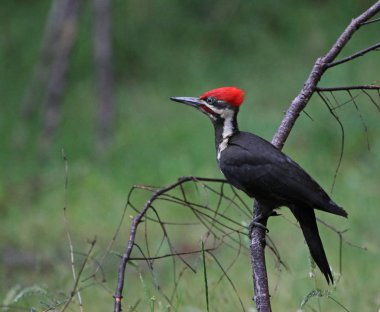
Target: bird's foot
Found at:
x=255, y=223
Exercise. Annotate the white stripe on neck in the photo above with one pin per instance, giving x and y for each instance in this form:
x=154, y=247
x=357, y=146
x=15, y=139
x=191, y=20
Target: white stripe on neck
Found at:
x=228, y=130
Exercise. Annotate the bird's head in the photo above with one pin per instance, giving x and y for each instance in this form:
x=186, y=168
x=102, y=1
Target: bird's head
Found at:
x=217, y=103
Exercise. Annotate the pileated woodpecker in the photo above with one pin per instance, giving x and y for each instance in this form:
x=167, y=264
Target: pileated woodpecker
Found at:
x=263, y=172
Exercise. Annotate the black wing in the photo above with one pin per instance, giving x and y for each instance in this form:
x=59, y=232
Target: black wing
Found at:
x=255, y=166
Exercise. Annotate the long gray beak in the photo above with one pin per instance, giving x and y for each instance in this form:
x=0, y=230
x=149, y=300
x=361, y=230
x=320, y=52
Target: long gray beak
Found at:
x=192, y=101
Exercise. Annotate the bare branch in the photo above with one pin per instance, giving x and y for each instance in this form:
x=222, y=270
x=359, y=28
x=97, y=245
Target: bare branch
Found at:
x=347, y=88
x=136, y=220
x=260, y=277
x=228, y=278
x=354, y=56
x=371, y=99
x=205, y=277
x=361, y=119
x=66, y=223
x=371, y=21
x=300, y=101
x=171, y=255
x=298, y=104
x=76, y=282
x=162, y=193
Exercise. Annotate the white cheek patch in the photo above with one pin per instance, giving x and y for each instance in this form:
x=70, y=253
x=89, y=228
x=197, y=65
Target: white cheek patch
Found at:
x=215, y=110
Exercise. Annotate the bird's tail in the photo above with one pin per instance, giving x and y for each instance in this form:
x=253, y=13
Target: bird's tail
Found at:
x=306, y=218
x=335, y=209
x=325, y=203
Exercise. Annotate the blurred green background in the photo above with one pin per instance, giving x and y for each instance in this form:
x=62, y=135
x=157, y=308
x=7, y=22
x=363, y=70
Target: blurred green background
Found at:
x=181, y=48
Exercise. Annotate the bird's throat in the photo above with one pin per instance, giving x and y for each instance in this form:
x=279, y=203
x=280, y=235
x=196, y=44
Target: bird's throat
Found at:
x=225, y=128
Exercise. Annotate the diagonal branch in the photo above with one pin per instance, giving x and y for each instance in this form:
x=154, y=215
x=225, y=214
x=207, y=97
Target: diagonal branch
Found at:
x=375, y=20
x=133, y=231
x=136, y=220
x=375, y=47
x=257, y=235
x=320, y=66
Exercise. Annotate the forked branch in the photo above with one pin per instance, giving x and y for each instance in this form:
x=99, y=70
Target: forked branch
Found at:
x=142, y=215
x=319, y=68
x=298, y=104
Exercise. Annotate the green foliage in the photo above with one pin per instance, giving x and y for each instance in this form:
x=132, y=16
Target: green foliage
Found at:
x=169, y=48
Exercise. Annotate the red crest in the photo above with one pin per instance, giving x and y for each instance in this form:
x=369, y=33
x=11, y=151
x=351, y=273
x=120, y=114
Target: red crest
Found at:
x=231, y=95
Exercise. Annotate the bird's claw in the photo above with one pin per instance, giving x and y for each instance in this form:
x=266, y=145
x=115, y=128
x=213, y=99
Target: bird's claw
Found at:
x=255, y=223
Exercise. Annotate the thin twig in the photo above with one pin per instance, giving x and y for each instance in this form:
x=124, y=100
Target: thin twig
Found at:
x=371, y=99
x=340, y=233
x=354, y=56
x=375, y=20
x=135, y=222
x=228, y=278
x=72, y=260
x=215, y=221
x=205, y=276
x=347, y=88
x=75, y=287
x=112, y=241
x=365, y=128
x=336, y=117
x=171, y=255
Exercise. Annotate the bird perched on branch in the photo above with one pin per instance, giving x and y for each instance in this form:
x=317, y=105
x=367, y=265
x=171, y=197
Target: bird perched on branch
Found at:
x=263, y=172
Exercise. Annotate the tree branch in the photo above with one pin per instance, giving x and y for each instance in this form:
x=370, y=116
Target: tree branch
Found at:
x=126, y=256
x=298, y=104
x=300, y=101
x=371, y=21
x=132, y=234
x=260, y=277
x=347, y=88
x=354, y=56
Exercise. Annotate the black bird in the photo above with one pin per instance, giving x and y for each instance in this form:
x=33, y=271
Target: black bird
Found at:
x=263, y=172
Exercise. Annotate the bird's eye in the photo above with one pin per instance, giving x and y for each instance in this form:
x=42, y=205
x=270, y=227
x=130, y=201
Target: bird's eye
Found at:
x=210, y=100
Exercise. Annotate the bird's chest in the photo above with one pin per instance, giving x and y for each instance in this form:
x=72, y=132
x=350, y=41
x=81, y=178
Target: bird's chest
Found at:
x=232, y=173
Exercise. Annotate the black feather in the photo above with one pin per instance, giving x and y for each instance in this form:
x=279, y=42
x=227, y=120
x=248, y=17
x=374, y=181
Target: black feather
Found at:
x=255, y=166
x=308, y=224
